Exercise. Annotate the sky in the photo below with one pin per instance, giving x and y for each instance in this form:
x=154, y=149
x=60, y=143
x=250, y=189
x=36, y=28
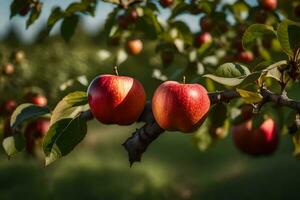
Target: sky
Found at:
x=91, y=24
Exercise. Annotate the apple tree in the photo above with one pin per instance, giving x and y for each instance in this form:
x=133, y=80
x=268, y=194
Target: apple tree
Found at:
x=238, y=76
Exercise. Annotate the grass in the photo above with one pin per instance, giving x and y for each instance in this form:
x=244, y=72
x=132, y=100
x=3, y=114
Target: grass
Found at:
x=172, y=168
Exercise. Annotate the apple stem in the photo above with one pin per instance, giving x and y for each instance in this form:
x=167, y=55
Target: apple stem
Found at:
x=116, y=70
x=183, y=79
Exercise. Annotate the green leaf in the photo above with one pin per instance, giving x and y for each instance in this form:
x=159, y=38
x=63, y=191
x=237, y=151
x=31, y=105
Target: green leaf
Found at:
x=250, y=79
x=62, y=138
x=230, y=74
x=76, y=7
x=34, y=15
x=249, y=97
x=296, y=141
x=70, y=106
x=185, y=32
x=232, y=70
x=256, y=31
x=288, y=35
x=56, y=15
x=68, y=27
x=152, y=27
x=110, y=22
x=13, y=144
x=26, y=112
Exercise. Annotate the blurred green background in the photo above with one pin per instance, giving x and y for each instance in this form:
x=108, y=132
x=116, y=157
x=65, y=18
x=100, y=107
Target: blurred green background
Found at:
x=172, y=168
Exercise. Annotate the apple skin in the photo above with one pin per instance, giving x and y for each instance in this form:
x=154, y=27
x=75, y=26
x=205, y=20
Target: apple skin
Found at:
x=134, y=46
x=166, y=3
x=261, y=141
x=246, y=56
x=269, y=4
x=180, y=107
x=133, y=16
x=203, y=38
x=116, y=99
x=35, y=133
x=9, y=106
x=39, y=100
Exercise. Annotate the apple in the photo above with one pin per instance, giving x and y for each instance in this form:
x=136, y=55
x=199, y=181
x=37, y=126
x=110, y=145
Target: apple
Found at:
x=9, y=106
x=38, y=99
x=133, y=16
x=8, y=69
x=247, y=112
x=206, y=23
x=246, y=56
x=123, y=22
x=35, y=132
x=18, y=56
x=297, y=11
x=24, y=10
x=203, y=38
x=116, y=99
x=166, y=3
x=180, y=107
x=217, y=132
x=268, y=4
x=261, y=141
x=167, y=57
x=134, y=46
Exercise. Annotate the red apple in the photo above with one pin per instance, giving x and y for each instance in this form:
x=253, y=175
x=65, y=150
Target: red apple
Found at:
x=180, y=107
x=261, y=141
x=206, y=23
x=123, y=22
x=9, y=106
x=268, y=4
x=35, y=133
x=166, y=3
x=133, y=16
x=116, y=99
x=245, y=56
x=38, y=99
x=134, y=46
x=8, y=69
x=203, y=38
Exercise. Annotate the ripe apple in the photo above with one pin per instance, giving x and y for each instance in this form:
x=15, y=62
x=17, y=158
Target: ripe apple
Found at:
x=203, y=38
x=206, y=23
x=24, y=10
x=261, y=141
x=38, y=99
x=297, y=11
x=166, y=3
x=268, y=4
x=133, y=16
x=245, y=56
x=116, y=99
x=9, y=106
x=123, y=22
x=8, y=69
x=180, y=107
x=35, y=133
x=134, y=46
x=18, y=56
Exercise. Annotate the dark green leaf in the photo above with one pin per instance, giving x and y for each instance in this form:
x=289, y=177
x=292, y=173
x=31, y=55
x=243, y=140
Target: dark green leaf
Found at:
x=34, y=15
x=288, y=35
x=62, y=138
x=68, y=27
x=232, y=70
x=257, y=121
x=180, y=8
x=218, y=114
x=26, y=112
x=16, y=6
x=13, y=144
x=110, y=22
x=76, y=7
x=56, y=15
